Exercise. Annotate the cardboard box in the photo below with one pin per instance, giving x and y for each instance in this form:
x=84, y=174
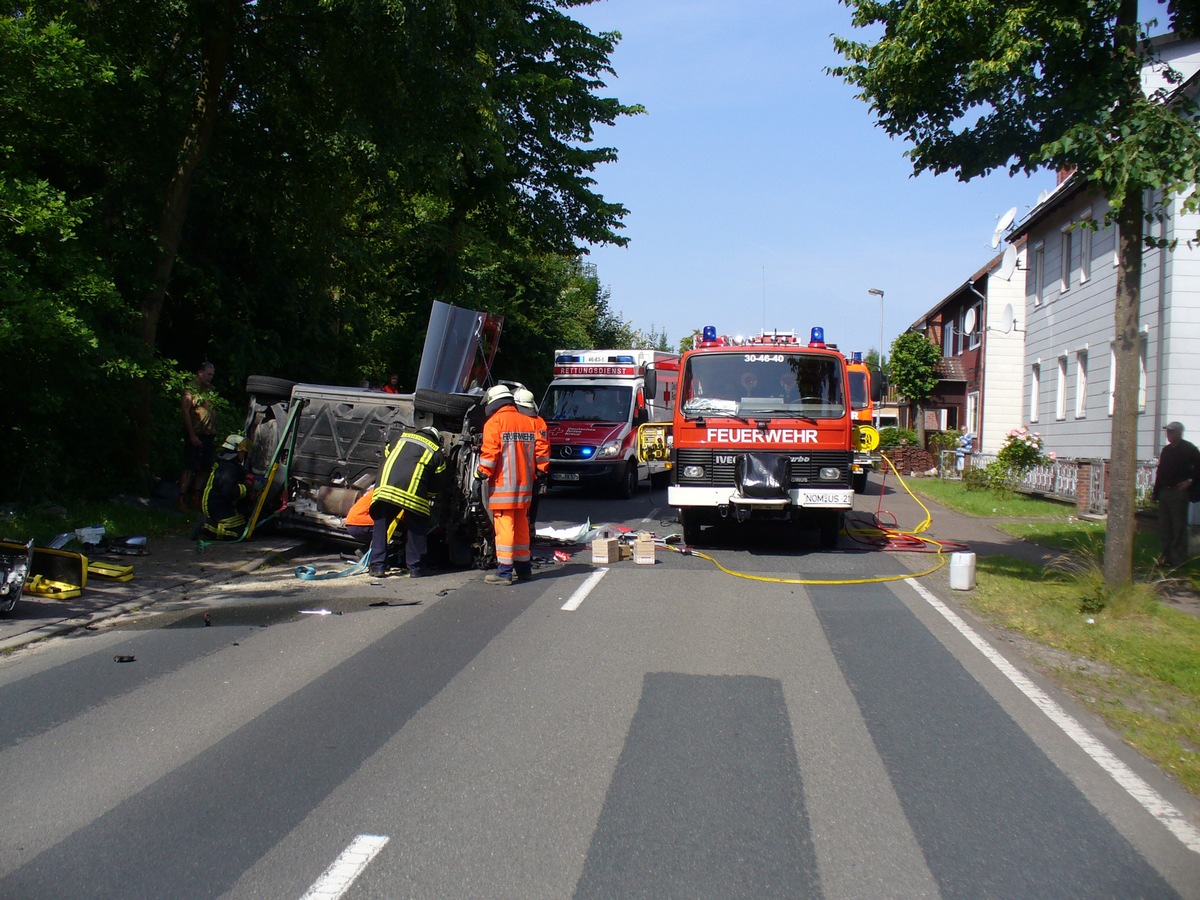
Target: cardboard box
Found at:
x=643, y=550
x=605, y=550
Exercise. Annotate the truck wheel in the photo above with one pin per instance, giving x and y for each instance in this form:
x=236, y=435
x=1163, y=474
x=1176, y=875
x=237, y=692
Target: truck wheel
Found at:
x=627, y=486
x=831, y=527
x=689, y=520
x=441, y=403
x=266, y=388
x=860, y=483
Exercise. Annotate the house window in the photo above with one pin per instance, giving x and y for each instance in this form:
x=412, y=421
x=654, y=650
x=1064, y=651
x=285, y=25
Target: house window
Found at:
x=974, y=317
x=948, y=338
x=1116, y=229
x=1085, y=247
x=1060, y=391
x=1142, y=374
x=1037, y=273
x=972, y=422
x=1035, y=388
x=1066, y=259
x=1081, y=361
x=1112, y=378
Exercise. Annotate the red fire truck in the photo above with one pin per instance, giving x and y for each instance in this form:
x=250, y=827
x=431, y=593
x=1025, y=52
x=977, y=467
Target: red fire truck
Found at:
x=865, y=391
x=762, y=430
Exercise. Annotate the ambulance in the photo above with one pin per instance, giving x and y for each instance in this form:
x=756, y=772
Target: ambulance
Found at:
x=593, y=409
x=762, y=431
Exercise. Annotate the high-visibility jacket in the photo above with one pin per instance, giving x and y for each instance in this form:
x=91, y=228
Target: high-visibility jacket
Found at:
x=225, y=489
x=509, y=457
x=411, y=473
x=541, y=445
x=360, y=512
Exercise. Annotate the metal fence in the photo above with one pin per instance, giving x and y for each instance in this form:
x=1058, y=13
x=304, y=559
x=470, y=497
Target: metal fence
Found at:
x=1059, y=479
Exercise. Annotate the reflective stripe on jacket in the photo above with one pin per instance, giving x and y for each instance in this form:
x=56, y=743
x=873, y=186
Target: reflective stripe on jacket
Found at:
x=508, y=458
x=407, y=478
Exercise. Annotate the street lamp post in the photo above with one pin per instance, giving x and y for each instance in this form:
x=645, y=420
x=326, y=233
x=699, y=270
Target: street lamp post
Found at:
x=878, y=293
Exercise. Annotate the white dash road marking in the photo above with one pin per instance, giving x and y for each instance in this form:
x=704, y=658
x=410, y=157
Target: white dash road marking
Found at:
x=1150, y=799
x=346, y=868
x=584, y=589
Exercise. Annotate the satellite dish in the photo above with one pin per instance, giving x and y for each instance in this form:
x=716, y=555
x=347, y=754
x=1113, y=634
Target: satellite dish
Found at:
x=1009, y=264
x=1002, y=226
x=1009, y=318
x=1043, y=195
x=969, y=321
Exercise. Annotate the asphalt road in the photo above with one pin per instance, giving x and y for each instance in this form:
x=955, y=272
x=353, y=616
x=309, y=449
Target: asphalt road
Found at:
x=664, y=731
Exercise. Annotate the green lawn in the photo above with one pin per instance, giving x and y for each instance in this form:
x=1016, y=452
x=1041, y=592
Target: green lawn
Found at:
x=1135, y=662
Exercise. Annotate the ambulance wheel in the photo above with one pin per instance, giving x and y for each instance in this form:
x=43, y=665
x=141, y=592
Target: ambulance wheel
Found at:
x=441, y=403
x=831, y=527
x=860, y=482
x=266, y=388
x=627, y=485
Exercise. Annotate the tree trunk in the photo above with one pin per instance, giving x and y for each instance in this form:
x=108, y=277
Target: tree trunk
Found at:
x=1122, y=496
x=216, y=46
x=1122, y=483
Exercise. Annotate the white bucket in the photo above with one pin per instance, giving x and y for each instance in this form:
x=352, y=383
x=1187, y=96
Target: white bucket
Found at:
x=962, y=571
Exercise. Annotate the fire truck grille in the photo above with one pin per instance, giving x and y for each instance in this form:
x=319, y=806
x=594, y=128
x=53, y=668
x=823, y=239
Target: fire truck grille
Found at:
x=805, y=467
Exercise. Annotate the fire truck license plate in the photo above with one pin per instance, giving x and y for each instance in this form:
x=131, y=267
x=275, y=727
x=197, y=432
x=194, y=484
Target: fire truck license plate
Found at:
x=821, y=498
x=565, y=476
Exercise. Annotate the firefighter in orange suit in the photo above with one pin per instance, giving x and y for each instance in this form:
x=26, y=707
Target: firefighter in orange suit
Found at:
x=508, y=462
x=523, y=397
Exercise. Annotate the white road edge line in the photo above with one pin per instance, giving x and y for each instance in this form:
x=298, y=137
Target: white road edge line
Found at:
x=346, y=868
x=1133, y=784
x=576, y=598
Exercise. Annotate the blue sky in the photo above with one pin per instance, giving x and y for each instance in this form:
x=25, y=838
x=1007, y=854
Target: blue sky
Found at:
x=760, y=191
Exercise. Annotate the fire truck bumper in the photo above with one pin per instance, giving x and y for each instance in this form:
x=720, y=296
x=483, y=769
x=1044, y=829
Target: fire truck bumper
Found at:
x=805, y=498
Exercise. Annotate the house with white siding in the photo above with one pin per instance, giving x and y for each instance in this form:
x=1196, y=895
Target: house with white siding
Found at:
x=978, y=328
x=1070, y=279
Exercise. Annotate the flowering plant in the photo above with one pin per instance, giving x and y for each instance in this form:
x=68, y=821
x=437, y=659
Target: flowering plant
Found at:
x=1022, y=451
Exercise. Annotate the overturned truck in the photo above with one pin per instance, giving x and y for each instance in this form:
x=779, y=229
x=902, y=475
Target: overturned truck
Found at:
x=317, y=448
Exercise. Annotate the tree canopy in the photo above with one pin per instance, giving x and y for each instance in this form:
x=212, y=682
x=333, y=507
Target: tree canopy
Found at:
x=282, y=187
x=978, y=85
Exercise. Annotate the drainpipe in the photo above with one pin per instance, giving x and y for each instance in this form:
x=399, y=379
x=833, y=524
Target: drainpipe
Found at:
x=983, y=338
x=1161, y=339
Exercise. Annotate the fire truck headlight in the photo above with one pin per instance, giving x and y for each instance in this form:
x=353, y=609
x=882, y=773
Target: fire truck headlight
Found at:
x=830, y=473
x=693, y=471
x=609, y=451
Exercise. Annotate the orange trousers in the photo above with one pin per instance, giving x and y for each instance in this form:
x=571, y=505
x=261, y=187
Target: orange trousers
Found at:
x=512, y=540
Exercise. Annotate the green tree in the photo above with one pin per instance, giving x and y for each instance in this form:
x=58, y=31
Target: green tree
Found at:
x=975, y=86
x=913, y=366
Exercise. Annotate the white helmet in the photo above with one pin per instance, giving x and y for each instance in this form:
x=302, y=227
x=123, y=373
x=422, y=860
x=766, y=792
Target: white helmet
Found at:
x=497, y=396
x=433, y=433
x=234, y=443
x=523, y=397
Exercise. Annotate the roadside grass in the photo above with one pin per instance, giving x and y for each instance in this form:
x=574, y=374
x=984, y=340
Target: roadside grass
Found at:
x=1129, y=658
x=984, y=503
x=124, y=519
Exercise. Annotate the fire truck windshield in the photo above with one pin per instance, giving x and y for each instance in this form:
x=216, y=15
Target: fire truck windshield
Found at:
x=859, y=395
x=741, y=384
x=587, y=403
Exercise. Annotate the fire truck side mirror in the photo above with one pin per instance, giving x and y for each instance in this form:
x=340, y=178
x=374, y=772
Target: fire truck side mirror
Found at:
x=651, y=378
x=878, y=385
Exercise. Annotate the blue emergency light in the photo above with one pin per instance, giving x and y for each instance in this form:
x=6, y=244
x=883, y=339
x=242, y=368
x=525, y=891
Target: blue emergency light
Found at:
x=710, y=333
x=858, y=356
x=586, y=452
x=816, y=337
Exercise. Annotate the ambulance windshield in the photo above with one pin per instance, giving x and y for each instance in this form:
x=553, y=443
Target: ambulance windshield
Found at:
x=747, y=384
x=587, y=403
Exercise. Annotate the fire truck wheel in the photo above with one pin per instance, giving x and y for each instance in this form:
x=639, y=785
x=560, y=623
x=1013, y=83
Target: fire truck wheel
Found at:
x=627, y=486
x=831, y=527
x=860, y=483
x=689, y=520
